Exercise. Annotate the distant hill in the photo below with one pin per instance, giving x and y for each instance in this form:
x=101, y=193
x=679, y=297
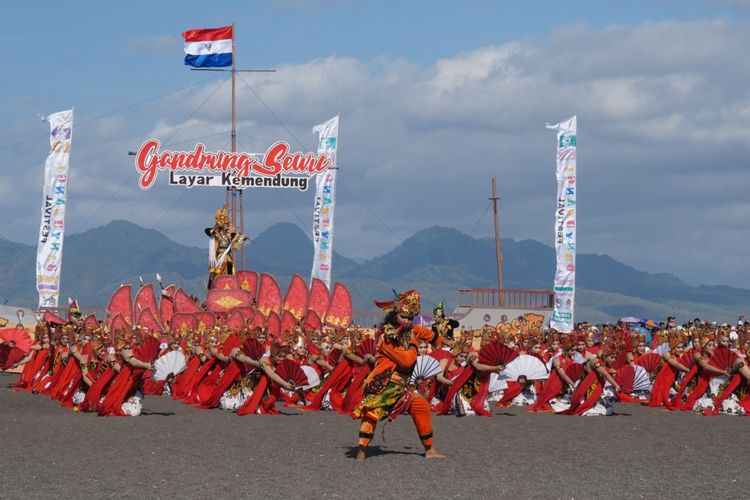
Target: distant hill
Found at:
x=437, y=261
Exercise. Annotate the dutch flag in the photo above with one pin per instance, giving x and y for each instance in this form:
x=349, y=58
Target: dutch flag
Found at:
x=208, y=47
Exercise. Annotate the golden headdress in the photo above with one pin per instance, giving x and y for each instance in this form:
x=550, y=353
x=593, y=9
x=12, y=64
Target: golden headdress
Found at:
x=298, y=342
x=122, y=338
x=40, y=329
x=407, y=304
x=279, y=348
x=100, y=339
x=462, y=344
x=676, y=338
x=439, y=310
x=222, y=216
x=706, y=338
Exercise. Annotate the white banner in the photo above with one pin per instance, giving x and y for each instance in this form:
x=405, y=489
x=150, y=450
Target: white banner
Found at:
x=565, y=227
x=325, y=202
x=50, y=246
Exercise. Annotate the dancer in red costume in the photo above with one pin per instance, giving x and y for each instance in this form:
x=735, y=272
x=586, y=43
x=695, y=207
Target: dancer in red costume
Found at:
x=673, y=366
x=248, y=359
x=72, y=378
x=93, y=365
x=345, y=373
x=125, y=396
x=267, y=391
x=100, y=378
x=589, y=398
x=564, y=375
x=473, y=387
x=61, y=353
x=184, y=382
x=34, y=362
x=701, y=371
x=208, y=370
x=720, y=397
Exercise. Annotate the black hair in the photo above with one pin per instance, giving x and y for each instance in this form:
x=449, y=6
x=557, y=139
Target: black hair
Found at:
x=391, y=318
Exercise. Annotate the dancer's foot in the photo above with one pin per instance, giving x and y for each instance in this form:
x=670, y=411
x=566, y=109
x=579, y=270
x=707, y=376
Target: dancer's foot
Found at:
x=432, y=453
x=361, y=454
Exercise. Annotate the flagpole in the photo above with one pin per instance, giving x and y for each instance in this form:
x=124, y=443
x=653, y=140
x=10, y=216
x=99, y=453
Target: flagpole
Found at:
x=234, y=150
x=234, y=125
x=233, y=207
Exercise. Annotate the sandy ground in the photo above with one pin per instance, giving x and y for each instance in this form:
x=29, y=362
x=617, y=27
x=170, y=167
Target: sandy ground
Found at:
x=177, y=451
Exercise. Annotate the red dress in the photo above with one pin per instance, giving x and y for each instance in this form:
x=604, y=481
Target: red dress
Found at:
x=100, y=387
x=30, y=369
x=663, y=383
x=553, y=386
x=123, y=386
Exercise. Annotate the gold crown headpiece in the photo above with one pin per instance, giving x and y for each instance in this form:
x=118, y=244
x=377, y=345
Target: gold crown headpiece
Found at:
x=222, y=216
x=407, y=304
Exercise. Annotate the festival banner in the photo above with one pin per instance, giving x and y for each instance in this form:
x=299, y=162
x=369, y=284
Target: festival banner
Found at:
x=565, y=226
x=52, y=229
x=278, y=167
x=325, y=202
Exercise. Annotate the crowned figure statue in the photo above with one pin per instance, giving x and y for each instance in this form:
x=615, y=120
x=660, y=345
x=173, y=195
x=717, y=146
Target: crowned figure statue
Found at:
x=223, y=240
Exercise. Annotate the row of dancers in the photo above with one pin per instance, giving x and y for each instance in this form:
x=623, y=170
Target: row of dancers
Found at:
x=700, y=369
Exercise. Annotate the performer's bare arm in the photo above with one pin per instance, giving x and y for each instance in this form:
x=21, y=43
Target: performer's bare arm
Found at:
x=268, y=370
x=237, y=355
x=127, y=355
x=668, y=358
x=218, y=355
x=710, y=368
x=561, y=372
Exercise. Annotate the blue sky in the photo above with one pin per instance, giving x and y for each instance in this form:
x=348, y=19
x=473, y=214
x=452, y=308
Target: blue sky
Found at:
x=434, y=97
x=117, y=53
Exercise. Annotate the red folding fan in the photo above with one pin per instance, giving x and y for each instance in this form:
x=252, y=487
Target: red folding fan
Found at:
x=230, y=343
x=253, y=349
x=625, y=377
x=366, y=346
x=333, y=357
x=621, y=360
x=149, y=349
x=724, y=358
x=18, y=336
x=574, y=371
x=291, y=372
x=650, y=362
x=497, y=353
x=9, y=356
x=441, y=354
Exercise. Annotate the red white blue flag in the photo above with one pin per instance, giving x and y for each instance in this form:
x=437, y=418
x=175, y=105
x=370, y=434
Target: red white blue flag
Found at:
x=208, y=47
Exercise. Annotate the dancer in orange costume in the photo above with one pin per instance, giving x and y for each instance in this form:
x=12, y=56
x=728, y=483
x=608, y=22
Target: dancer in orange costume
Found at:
x=386, y=390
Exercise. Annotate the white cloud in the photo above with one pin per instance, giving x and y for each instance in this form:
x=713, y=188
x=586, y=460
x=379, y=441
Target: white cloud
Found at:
x=663, y=114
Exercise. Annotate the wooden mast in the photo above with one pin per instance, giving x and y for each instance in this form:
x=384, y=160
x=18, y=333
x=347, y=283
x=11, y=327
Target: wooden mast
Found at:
x=498, y=251
x=234, y=150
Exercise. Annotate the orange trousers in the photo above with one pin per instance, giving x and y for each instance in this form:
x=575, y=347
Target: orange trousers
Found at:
x=420, y=414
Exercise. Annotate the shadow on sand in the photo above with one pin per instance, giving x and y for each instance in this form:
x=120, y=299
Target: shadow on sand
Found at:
x=377, y=451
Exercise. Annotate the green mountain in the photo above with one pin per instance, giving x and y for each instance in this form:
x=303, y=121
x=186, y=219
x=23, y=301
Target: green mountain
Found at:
x=437, y=261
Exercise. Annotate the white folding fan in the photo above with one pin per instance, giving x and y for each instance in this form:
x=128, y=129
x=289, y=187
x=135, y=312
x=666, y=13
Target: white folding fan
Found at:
x=424, y=368
x=313, y=379
x=172, y=363
x=641, y=381
x=529, y=366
